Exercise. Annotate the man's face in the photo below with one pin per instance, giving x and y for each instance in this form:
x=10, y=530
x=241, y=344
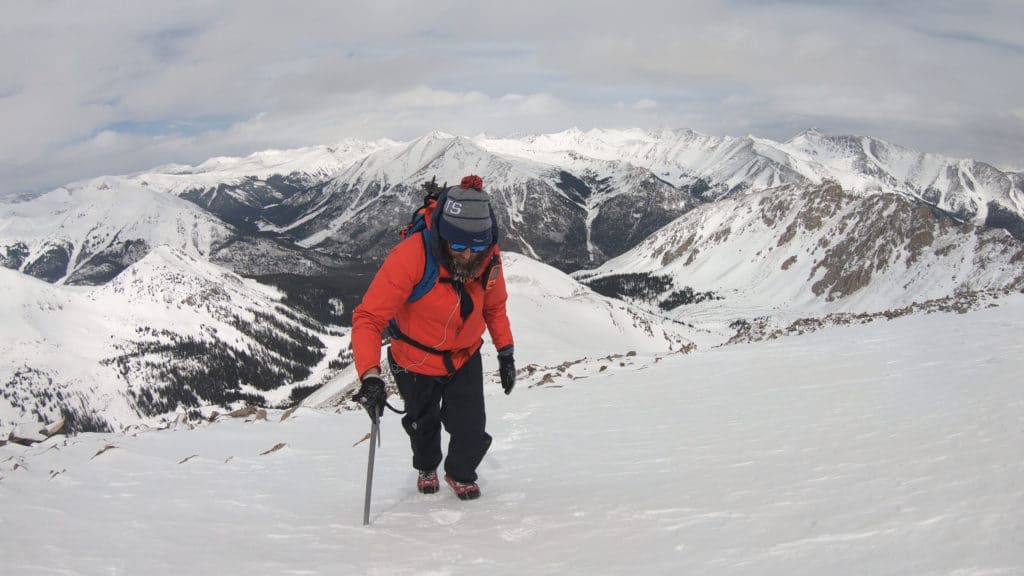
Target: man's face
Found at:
x=464, y=256
x=465, y=262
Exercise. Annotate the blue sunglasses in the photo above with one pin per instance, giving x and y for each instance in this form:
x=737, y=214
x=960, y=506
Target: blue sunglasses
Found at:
x=475, y=248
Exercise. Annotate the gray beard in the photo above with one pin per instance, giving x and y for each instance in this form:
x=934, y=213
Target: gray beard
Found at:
x=463, y=272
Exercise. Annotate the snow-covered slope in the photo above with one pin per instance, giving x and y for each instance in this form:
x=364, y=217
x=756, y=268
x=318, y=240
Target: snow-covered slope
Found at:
x=171, y=333
x=559, y=318
x=886, y=448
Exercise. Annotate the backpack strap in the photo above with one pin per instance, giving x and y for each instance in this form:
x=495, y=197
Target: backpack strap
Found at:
x=430, y=270
x=446, y=355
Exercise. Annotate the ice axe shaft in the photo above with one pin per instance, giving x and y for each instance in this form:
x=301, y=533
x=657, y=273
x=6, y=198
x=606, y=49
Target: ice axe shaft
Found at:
x=374, y=432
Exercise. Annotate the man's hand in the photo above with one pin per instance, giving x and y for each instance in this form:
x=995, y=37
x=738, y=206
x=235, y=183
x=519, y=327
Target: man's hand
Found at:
x=371, y=396
x=507, y=369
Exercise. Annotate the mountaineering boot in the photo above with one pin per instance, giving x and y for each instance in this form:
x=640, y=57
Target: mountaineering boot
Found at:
x=464, y=490
x=427, y=483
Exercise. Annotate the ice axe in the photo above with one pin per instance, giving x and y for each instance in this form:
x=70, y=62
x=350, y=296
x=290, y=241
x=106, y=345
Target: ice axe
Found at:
x=374, y=439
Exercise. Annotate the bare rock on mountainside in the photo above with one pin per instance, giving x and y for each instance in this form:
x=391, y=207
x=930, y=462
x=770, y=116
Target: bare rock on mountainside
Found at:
x=764, y=328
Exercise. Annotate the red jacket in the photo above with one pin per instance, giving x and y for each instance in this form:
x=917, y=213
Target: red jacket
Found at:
x=433, y=320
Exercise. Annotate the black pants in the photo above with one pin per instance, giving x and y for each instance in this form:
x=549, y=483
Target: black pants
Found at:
x=457, y=402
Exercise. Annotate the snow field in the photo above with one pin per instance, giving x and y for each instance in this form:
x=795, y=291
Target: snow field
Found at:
x=887, y=448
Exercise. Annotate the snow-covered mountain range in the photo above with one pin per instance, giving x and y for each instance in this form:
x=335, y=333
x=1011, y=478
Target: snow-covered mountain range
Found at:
x=573, y=199
x=172, y=333
x=672, y=227
x=813, y=250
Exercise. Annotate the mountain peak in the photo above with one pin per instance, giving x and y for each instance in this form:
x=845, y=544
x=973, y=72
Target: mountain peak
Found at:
x=438, y=135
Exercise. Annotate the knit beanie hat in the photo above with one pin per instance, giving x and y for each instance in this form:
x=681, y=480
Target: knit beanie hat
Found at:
x=467, y=214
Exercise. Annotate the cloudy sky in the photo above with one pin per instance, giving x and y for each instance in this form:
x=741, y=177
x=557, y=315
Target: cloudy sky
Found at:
x=105, y=87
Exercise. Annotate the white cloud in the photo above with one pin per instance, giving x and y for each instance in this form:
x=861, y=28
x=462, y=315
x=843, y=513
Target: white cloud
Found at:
x=177, y=81
x=645, y=104
x=426, y=97
x=533, y=104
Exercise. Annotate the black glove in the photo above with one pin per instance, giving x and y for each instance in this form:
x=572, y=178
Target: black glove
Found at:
x=507, y=369
x=371, y=396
